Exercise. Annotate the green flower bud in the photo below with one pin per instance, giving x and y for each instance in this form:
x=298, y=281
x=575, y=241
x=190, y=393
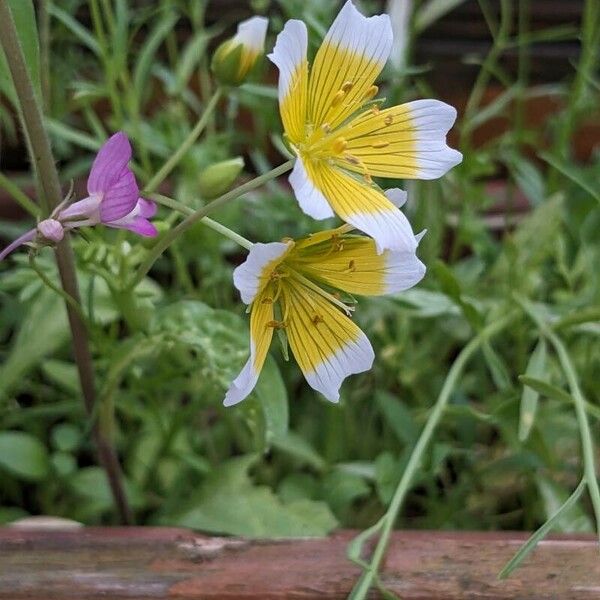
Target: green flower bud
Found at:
x=218, y=178
x=234, y=58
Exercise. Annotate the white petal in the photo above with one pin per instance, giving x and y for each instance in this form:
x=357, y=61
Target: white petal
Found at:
x=390, y=230
x=244, y=383
x=353, y=357
x=310, y=199
x=251, y=33
x=432, y=120
x=289, y=53
x=367, y=36
x=246, y=277
x=396, y=196
x=403, y=271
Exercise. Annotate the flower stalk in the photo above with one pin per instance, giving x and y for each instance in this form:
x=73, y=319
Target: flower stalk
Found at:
x=165, y=241
x=173, y=161
x=49, y=185
x=214, y=225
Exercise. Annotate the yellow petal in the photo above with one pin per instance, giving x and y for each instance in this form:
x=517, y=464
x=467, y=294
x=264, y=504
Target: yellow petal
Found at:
x=351, y=263
x=261, y=334
x=405, y=141
x=327, y=345
x=289, y=54
x=364, y=207
x=349, y=60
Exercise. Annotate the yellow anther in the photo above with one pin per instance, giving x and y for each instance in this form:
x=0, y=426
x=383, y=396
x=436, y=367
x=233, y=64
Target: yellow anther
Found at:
x=339, y=145
x=388, y=120
x=351, y=267
x=367, y=178
x=380, y=144
x=371, y=93
x=375, y=110
x=275, y=275
x=276, y=324
x=352, y=159
x=326, y=127
x=267, y=301
x=338, y=98
x=348, y=85
x=286, y=240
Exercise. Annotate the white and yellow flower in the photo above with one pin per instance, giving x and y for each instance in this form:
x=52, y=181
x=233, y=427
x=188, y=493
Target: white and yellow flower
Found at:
x=342, y=138
x=293, y=286
x=234, y=58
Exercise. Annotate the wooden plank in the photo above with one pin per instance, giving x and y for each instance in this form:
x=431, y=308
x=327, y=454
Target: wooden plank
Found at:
x=136, y=563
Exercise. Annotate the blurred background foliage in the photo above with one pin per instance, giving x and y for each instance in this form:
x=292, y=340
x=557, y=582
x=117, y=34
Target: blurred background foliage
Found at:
x=518, y=219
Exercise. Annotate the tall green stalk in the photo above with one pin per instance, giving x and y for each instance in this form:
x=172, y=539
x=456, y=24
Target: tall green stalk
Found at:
x=52, y=196
x=370, y=574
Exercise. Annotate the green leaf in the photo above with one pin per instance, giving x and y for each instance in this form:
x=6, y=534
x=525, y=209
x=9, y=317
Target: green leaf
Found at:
x=572, y=173
x=529, y=398
x=541, y=533
x=272, y=397
x=397, y=416
x=91, y=484
x=163, y=26
x=24, y=17
x=433, y=10
x=554, y=496
x=43, y=330
x=23, y=455
x=74, y=27
x=228, y=502
x=297, y=447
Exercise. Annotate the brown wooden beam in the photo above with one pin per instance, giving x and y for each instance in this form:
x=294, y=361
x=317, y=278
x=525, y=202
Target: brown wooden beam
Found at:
x=135, y=563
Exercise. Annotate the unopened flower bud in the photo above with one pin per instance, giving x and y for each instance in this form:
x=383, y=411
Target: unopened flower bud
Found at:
x=218, y=177
x=51, y=230
x=234, y=58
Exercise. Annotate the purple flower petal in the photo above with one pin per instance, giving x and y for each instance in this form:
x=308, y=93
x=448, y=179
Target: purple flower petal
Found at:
x=137, y=219
x=146, y=207
x=138, y=225
x=26, y=237
x=120, y=198
x=108, y=165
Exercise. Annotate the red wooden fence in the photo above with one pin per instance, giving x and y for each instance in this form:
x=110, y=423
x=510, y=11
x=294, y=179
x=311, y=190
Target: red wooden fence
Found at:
x=144, y=563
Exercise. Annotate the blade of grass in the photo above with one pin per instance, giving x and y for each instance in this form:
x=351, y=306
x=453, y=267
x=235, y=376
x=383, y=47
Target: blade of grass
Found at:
x=542, y=532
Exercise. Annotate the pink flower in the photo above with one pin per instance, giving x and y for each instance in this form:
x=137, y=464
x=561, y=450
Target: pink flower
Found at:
x=113, y=200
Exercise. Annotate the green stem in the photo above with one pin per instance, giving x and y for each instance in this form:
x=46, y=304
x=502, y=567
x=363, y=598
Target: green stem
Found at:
x=361, y=589
x=587, y=444
x=185, y=146
x=49, y=184
x=21, y=198
x=164, y=242
x=214, y=225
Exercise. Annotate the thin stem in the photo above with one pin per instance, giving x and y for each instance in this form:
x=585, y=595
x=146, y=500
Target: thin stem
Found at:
x=363, y=585
x=214, y=225
x=587, y=444
x=49, y=184
x=22, y=199
x=164, y=242
x=185, y=146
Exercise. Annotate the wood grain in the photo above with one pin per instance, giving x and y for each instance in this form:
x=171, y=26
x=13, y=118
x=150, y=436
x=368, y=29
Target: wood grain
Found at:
x=136, y=563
